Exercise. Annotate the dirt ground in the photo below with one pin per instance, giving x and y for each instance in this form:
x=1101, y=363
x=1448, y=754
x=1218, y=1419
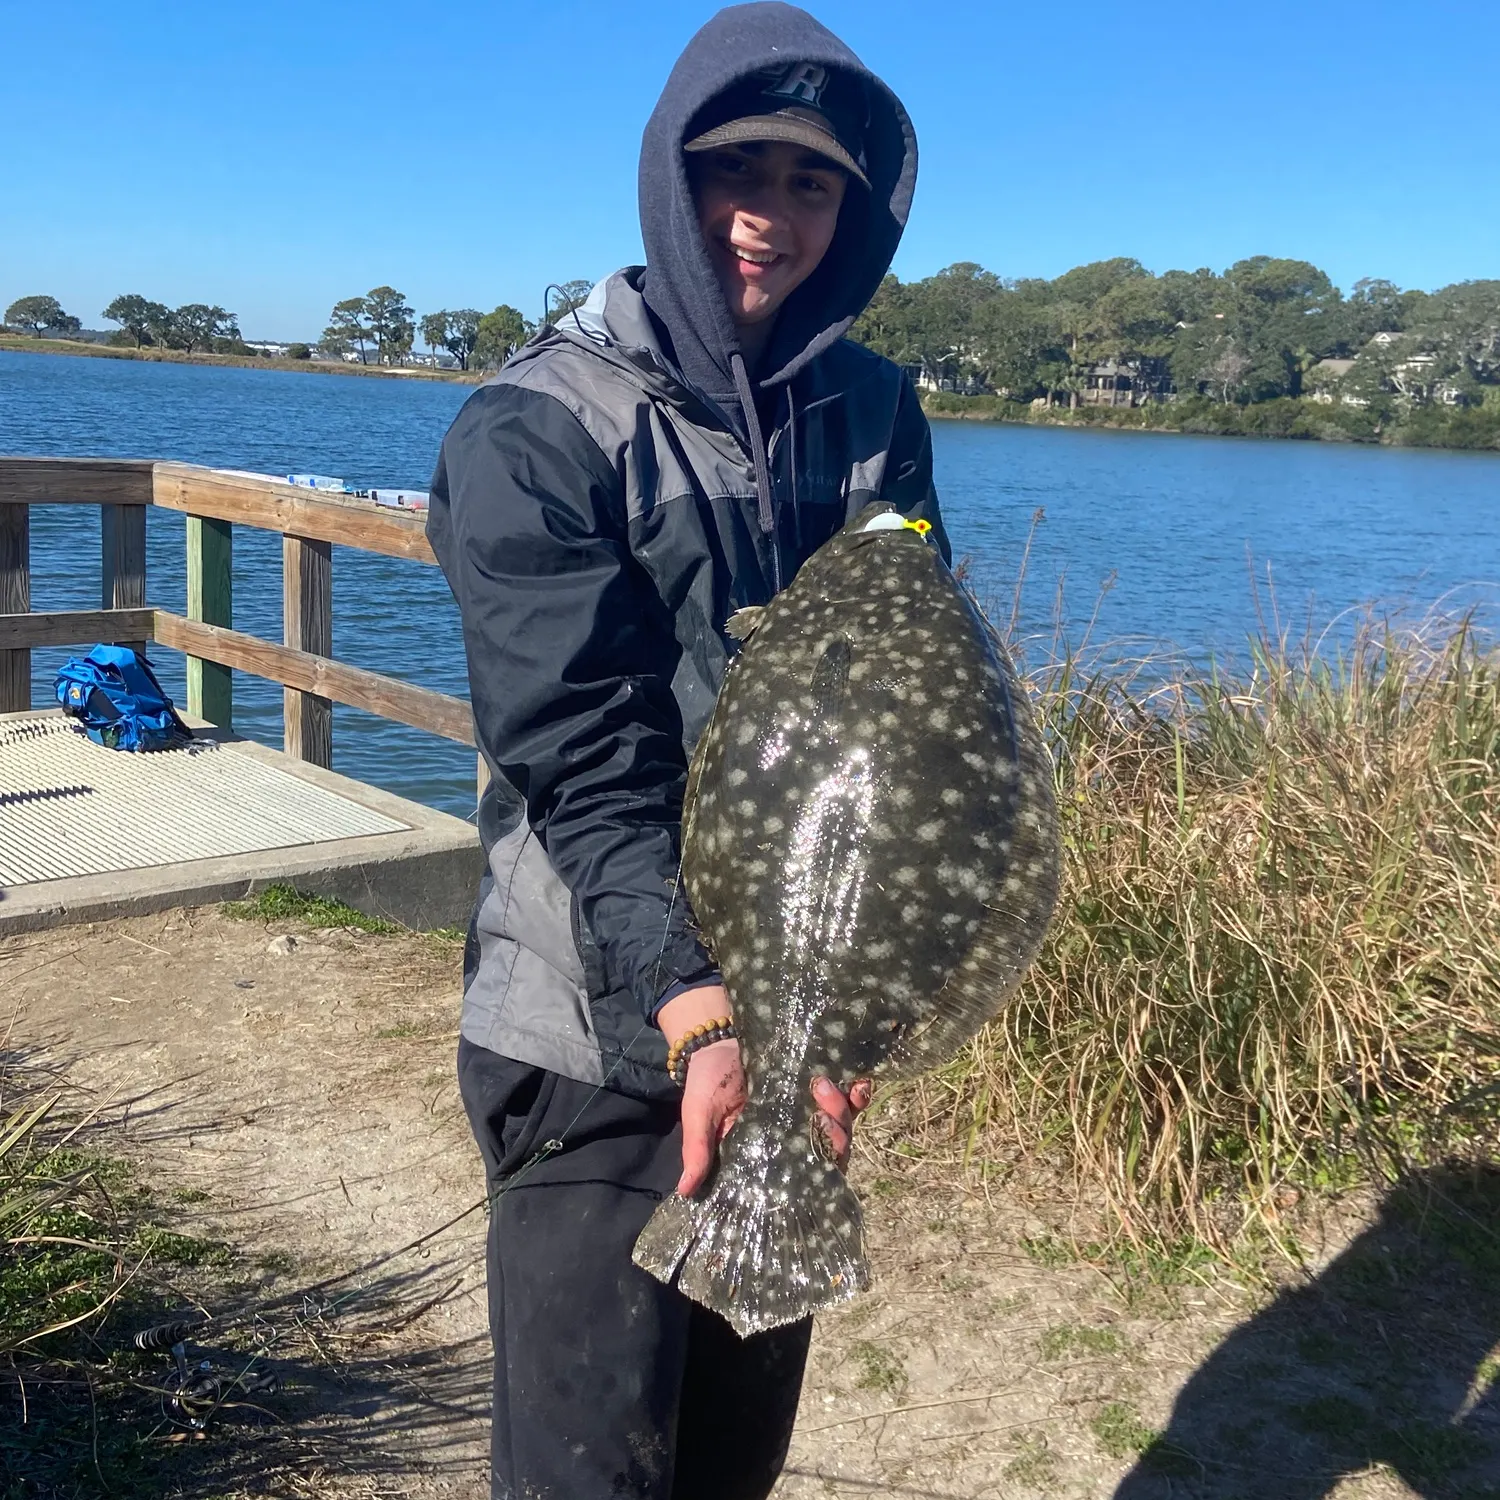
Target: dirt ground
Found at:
x=301, y=1106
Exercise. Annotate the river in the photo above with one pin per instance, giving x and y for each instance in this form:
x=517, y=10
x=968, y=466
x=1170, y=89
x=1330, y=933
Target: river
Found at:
x=1149, y=539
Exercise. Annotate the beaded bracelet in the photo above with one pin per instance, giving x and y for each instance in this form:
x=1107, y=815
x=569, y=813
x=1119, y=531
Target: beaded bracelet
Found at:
x=719, y=1030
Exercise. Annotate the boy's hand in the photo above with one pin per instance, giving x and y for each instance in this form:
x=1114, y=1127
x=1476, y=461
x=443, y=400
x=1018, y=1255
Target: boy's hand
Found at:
x=712, y=1100
x=715, y=1093
x=713, y=1097
x=836, y=1112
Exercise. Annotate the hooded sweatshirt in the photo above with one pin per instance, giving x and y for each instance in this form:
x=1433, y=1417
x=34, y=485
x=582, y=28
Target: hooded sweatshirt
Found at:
x=680, y=287
x=600, y=509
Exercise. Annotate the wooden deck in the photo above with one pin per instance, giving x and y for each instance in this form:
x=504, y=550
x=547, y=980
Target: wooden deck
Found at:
x=139, y=828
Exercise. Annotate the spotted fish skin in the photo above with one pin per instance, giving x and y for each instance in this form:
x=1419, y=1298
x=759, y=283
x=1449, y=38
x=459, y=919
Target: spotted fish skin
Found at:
x=870, y=847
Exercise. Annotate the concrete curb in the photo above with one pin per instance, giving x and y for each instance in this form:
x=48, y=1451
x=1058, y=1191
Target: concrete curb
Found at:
x=423, y=877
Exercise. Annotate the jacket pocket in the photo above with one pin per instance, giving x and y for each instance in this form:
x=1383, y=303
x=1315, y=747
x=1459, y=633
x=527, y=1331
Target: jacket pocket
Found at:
x=507, y=1103
x=595, y=979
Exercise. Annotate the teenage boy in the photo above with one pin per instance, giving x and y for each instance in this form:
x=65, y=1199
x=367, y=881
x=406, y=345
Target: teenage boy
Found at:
x=667, y=455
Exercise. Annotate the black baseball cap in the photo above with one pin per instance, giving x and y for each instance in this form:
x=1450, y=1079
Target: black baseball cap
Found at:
x=805, y=104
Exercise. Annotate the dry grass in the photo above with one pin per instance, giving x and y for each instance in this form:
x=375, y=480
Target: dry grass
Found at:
x=1279, y=941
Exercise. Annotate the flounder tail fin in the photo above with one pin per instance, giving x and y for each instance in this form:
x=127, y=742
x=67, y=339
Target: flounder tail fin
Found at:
x=777, y=1235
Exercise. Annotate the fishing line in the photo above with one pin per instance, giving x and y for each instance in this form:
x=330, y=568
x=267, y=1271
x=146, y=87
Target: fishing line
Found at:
x=173, y=1334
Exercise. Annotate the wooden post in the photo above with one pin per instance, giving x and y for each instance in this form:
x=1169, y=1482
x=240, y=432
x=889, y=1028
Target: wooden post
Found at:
x=210, y=598
x=307, y=617
x=15, y=599
x=122, y=538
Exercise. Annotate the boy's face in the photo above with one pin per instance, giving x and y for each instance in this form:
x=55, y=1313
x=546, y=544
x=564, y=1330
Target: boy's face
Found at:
x=768, y=210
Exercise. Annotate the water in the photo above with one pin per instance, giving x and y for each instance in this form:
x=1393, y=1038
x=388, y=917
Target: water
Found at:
x=1153, y=538
x=1189, y=542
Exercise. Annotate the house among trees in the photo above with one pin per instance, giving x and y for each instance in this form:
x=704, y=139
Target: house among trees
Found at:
x=945, y=375
x=1322, y=380
x=1131, y=382
x=1391, y=364
x=1112, y=334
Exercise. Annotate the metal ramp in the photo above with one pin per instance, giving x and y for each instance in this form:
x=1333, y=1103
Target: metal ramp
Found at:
x=87, y=832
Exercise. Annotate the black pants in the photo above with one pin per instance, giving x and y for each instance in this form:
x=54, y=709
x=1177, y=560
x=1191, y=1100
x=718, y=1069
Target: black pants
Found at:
x=608, y=1384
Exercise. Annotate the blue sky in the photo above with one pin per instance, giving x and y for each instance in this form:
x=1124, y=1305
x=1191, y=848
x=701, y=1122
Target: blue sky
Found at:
x=274, y=157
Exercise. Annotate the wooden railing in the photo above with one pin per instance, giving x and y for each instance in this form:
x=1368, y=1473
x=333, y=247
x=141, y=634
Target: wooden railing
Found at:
x=214, y=502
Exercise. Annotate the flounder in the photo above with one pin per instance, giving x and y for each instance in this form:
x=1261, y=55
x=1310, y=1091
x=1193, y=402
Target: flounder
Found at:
x=870, y=847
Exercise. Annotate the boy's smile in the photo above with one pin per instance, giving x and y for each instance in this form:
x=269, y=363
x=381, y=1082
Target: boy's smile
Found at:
x=767, y=211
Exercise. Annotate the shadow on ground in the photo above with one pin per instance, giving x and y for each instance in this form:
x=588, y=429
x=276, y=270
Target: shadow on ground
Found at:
x=347, y=1408
x=352, y=1385
x=1387, y=1360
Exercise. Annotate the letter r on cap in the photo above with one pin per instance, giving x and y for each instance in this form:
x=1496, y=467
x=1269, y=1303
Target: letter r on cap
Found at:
x=804, y=82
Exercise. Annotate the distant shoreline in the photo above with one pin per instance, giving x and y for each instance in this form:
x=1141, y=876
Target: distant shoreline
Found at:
x=23, y=345
x=1472, y=429
x=1475, y=429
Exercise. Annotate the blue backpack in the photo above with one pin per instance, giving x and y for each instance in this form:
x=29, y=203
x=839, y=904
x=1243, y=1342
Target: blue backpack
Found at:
x=114, y=694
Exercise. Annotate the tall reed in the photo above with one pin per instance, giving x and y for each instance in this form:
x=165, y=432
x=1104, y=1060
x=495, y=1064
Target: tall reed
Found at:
x=1279, y=936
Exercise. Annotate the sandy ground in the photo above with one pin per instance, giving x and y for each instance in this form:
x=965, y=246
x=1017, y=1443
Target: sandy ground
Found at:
x=301, y=1106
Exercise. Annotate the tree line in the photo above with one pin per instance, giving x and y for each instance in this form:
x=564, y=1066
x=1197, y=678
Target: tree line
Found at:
x=1252, y=333
x=1263, y=329
x=194, y=325
x=383, y=324
x=41, y=315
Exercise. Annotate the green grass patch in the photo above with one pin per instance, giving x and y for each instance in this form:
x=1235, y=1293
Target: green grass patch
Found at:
x=879, y=1368
x=1337, y=1420
x=82, y=1267
x=401, y=1031
x=1177, y=1262
x=1074, y=1338
x=1430, y=1452
x=167, y=1247
x=1035, y=1465
x=283, y=903
x=1049, y=1251
x=1119, y=1431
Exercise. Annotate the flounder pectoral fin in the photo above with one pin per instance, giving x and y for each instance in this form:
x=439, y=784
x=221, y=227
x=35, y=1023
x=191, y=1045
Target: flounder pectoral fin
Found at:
x=743, y=623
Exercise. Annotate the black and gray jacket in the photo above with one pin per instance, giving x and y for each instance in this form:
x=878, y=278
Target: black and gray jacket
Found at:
x=600, y=509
